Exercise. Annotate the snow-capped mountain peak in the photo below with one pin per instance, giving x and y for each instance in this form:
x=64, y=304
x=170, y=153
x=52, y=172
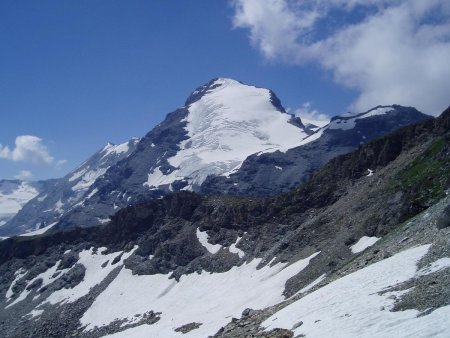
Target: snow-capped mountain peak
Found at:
x=227, y=121
x=97, y=165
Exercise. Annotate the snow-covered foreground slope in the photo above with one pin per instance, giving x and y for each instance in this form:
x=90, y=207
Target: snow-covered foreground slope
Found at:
x=13, y=196
x=228, y=123
x=360, y=304
x=207, y=298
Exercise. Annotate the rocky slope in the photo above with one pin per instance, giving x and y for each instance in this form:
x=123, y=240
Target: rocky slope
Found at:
x=56, y=197
x=191, y=265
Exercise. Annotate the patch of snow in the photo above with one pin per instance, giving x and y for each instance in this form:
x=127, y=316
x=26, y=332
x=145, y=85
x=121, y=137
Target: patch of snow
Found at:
x=348, y=121
x=235, y=250
x=94, y=274
x=77, y=174
x=59, y=207
x=203, y=239
x=47, y=278
x=440, y=264
x=209, y=298
x=114, y=149
x=279, y=168
x=36, y=313
x=89, y=178
x=352, y=306
x=363, y=243
x=370, y=173
x=313, y=137
x=42, y=198
x=103, y=220
x=157, y=178
x=17, y=276
x=2, y=223
x=39, y=231
x=92, y=193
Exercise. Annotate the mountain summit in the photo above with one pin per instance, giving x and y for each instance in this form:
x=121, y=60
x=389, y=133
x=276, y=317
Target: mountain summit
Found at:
x=225, y=121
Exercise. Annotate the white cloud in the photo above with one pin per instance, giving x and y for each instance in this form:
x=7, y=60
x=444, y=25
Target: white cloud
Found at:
x=24, y=175
x=308, y=115
x=60, y=163
x=391, y=51
x=27, y=148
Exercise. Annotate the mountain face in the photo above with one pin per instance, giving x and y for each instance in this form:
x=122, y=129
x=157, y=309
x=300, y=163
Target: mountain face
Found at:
x=47, y=201
x=273, y=173
x=220, y=125
x=14, y=194
x=361, y=248
x=228, y=138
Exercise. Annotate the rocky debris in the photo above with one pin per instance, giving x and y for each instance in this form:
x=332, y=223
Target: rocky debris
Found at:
x=68, y=260
x=444, y=220
x=188, y=327
x=70, y=279
x=248, y=312
x=119, y=325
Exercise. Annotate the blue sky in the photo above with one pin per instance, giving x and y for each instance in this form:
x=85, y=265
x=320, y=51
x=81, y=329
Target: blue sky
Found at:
x=77, y=74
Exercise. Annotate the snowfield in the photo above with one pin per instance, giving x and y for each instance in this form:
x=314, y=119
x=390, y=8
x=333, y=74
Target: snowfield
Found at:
x=208, y=298
x=352, y=306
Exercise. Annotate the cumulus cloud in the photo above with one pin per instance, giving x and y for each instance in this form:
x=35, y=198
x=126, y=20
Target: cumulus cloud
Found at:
x=391, y=51
x=24, y=175
x=27, y=148
x=309, y=115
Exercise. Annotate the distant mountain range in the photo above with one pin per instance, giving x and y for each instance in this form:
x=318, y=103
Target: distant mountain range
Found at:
x=228, y=138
